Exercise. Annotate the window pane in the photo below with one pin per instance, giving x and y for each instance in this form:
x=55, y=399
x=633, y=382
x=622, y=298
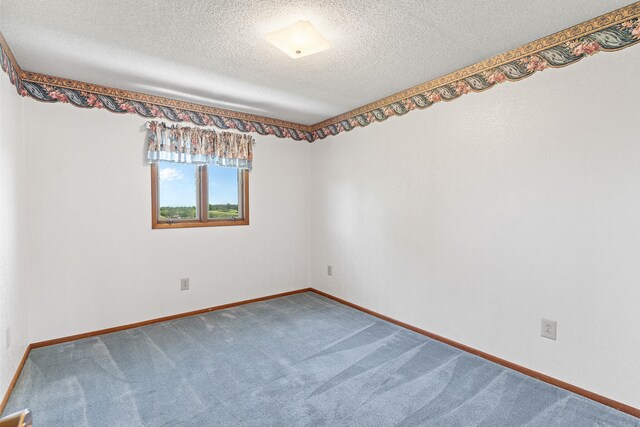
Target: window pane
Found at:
x=177, y=188
x=223, y=192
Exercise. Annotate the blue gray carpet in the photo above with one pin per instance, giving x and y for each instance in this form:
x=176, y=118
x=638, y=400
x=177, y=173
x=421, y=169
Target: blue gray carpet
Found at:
x=293, y=361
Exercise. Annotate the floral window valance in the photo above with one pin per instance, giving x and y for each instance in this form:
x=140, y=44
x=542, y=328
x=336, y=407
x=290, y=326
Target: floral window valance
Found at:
x=184, y=144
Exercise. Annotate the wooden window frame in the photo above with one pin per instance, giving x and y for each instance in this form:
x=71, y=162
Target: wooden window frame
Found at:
x=203, y=221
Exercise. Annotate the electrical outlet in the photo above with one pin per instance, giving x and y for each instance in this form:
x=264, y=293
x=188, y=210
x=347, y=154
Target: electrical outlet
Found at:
x=329, y=270
x=7, y=333
x=548, y=329
x=184, y=284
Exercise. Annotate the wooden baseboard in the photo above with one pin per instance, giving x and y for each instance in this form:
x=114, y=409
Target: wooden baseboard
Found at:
x=526, y=371
x=161, y=319
x=14, y=380
x=529, y=372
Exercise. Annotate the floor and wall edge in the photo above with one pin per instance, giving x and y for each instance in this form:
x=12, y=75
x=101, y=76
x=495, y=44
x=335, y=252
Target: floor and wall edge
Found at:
x=526, y=371
x=55, y=341
x=14, y=380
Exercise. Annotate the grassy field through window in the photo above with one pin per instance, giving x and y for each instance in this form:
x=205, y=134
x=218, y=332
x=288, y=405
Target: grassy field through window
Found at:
x=223, y=211
x=189, y=212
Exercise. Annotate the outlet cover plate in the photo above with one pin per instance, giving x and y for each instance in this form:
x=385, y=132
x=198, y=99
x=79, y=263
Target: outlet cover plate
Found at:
x=548, y=329
x=329, y=270
x=184, y=284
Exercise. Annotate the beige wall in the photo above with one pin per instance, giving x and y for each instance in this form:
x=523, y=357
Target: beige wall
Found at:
x=95, y=262
x=13, y=241
x=476, y=218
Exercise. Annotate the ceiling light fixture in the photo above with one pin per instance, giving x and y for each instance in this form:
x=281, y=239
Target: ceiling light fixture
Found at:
x=298, y=40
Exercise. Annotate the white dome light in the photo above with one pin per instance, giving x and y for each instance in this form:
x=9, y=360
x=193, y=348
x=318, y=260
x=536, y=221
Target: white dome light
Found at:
x=298, y=40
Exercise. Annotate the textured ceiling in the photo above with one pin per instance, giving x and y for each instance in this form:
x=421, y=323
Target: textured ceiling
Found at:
x=214, y=53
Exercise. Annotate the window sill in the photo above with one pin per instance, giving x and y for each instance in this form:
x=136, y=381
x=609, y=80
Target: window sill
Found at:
x=188, y=224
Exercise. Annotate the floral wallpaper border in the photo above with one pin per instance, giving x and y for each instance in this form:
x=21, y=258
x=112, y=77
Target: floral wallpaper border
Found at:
x=615, y=37
x=51, y=89
x=610, y=32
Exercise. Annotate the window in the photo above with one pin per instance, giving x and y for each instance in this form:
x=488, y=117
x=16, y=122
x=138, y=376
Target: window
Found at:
x=188, y=195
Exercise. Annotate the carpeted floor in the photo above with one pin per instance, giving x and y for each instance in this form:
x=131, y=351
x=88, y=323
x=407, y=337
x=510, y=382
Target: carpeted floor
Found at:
x=297, y=360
